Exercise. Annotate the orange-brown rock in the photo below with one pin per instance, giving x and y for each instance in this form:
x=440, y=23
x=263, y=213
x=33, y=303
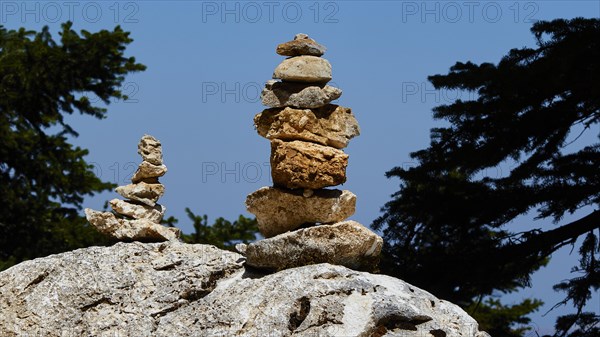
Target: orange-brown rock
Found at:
x=299, y=164
x=331, y=125
x=301, y=45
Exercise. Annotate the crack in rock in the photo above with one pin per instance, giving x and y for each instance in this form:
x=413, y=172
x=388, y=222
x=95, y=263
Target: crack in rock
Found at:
x=298, y=316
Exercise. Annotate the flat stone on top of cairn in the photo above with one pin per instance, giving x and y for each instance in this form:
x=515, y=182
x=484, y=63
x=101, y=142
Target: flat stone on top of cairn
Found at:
x=138, y=218
x=301, y=45
x=303, y=222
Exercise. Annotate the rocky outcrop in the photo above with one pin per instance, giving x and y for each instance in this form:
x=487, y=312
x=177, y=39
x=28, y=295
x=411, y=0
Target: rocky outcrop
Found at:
x=176, y=289
x=302, y=221
x=138, y=218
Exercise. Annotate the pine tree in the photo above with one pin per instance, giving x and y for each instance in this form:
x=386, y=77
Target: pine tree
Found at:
x=446, y=228
x=44, y=178
x=222, y=233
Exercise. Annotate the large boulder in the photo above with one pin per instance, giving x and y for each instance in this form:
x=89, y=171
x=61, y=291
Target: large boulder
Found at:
x=176, y=289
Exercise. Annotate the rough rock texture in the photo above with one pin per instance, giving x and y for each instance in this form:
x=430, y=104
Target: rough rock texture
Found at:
x=299, y=164
x=142, y=192
x=138, y=211
x=304, y=69
x=301, y=45
x=130, y=230
x=150, y=150
x=148, y=172
x=331, y=125
x=306, y=96
x=176, y=289
x=346, y=243
x=278, y=210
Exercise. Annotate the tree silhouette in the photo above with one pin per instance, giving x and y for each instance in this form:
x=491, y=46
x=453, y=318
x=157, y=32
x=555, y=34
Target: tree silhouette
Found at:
x=446, y=228
x=223, y=233
x=43, y=178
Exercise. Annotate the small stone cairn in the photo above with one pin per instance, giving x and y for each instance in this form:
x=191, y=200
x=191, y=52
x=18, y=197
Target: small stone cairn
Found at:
x=138, y=218
x=303, y=222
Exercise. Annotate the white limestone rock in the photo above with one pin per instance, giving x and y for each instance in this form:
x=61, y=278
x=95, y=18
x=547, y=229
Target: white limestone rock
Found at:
x=142, y=192
x=306, y=69
x=130, y=230
x=279, y=210
x=151, y=150
x=148, y=172
x=138, y=211
x=346, y=243
x=175, y=289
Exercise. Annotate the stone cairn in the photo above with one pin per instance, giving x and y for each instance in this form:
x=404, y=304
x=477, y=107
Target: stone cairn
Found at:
x=138, y=218
x=303, y=222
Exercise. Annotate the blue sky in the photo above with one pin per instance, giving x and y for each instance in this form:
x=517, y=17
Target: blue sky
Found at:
x=207, y=62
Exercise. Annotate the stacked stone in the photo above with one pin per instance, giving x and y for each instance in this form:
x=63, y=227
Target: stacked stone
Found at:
x=138, y=218
x=303, y=222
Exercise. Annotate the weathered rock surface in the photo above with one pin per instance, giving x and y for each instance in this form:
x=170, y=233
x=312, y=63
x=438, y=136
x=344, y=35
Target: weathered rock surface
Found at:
x=176, y=289
x=130, y=230
x=331, y=125
x=299, y=164
x=138, y=211
x=151, y=150
x=147, y=171
x=142, y=192
x=301, y=45
x=346, y=243
x=281, y=94
x=278, y=211
x=310, y=69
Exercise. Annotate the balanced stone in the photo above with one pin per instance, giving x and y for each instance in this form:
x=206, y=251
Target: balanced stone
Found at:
x=138, y=218
x=278, y=210
x=138, y=211
x=299, y=95
x=331, y=125
x=345, y=243
x=138, y=230
x=301, y=45
x=310, y=69
x=151, y=150
x=299, y=164
x=142, y=192
x=148, y=172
